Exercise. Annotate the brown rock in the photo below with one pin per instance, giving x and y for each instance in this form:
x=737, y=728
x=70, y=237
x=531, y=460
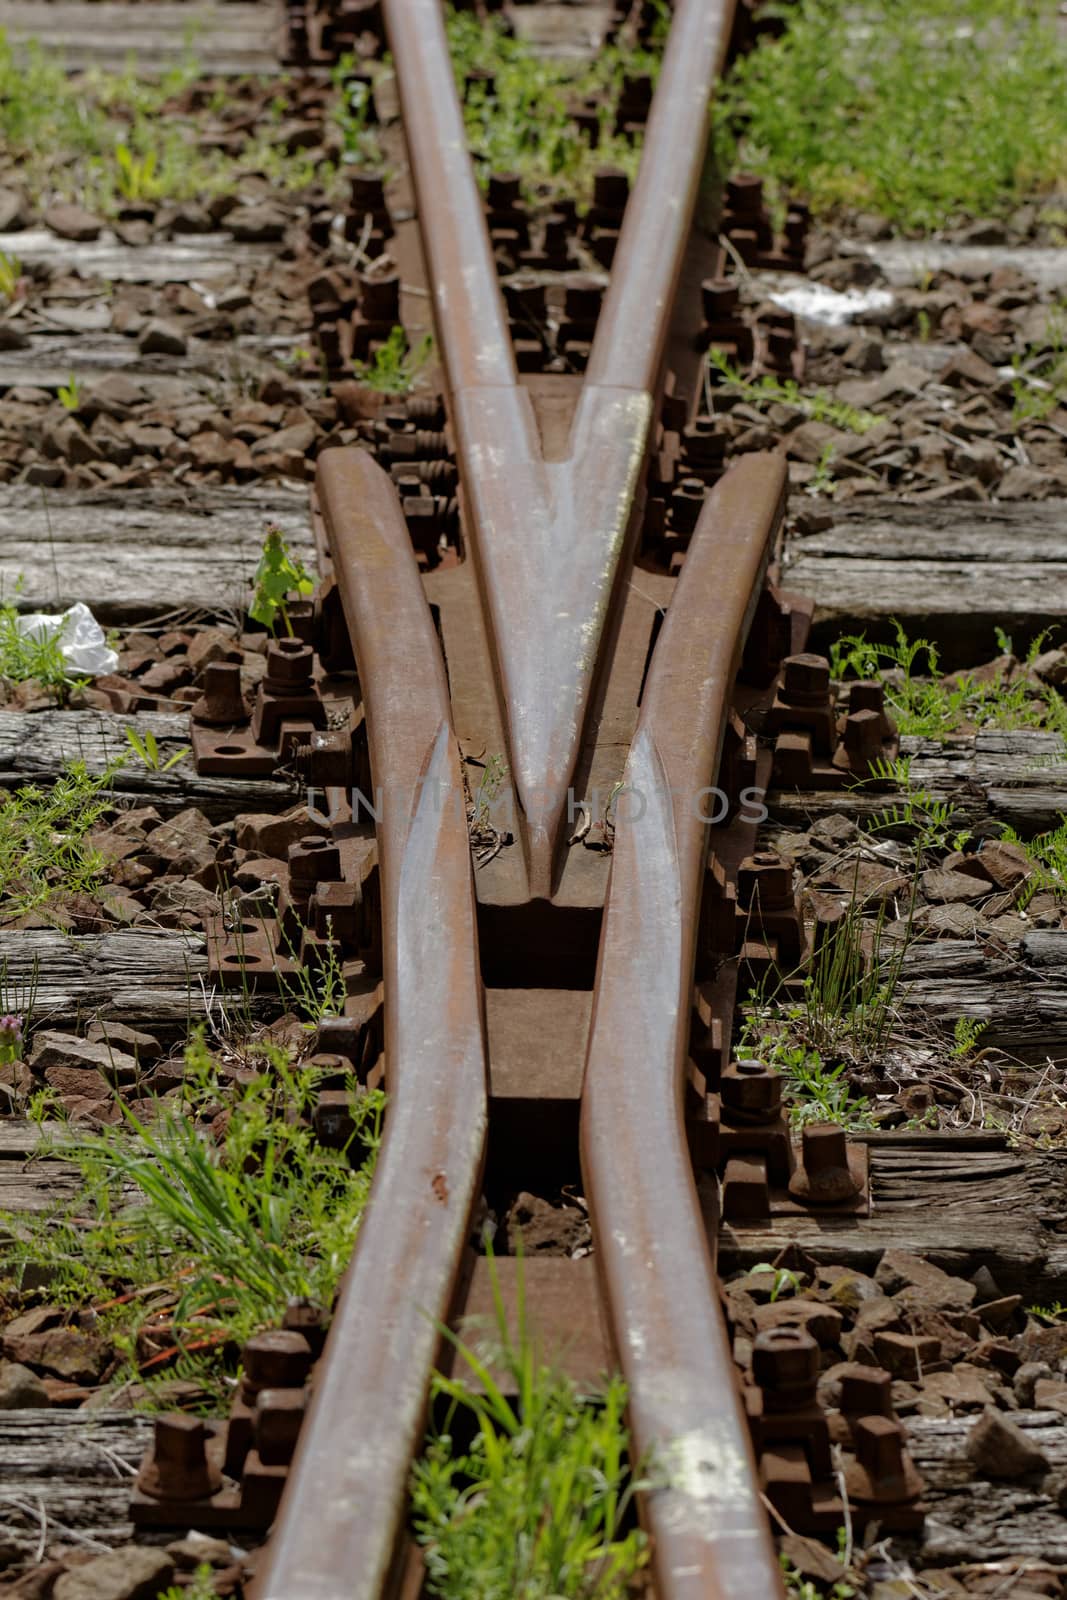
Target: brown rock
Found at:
x=130, y=1573
x=943, y=884
x=159, y=337
x=295, y=440
x=20, y=1389
x=1000, y=1449
x=55, y=1052
x=906, y=1355
x=272, y=836
x=962, y=1389
x=68, y=439
x=900, y=1271
x=144, y=1047
x=211, y=644
x=544, y=1229
x=256, y=224
x=62, y=1352
x=184, y=844
x=1007, y=864
x=966, y=367
x=73, y=222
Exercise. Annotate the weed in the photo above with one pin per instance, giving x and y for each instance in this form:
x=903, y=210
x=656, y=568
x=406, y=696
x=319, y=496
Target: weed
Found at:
x=784, y=1280
x=923, y=703
x=221, y=1227
x=136, y=174
x=517, y=107
x=535, y=1506
x=1047, y=853
x=765, y=391
x=919, y=815
x=27, y=653
x=315, y=990
x=69, y=394
x=813, y=1092
x=802, y=1588
x=200, y=1587
x=278, y=574
x=352, y=115
x=395, y=365
x=45, y=849
x=1039, y=383
x=10, y=275
x=965, y=1035
x=822, y=480
x=146, y=749
x=924, y=111
x=10, y=1038
x=1055, y=1311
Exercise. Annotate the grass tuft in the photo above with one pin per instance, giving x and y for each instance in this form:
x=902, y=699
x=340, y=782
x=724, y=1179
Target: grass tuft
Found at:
x=534, y=1508
x=925, y=111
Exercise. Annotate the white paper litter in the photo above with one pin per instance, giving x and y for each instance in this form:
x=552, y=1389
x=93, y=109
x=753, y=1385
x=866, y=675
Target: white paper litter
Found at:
x=81, y=638
x=818, y=303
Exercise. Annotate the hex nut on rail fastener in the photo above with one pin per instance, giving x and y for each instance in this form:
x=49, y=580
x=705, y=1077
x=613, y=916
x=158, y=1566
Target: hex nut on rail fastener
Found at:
x=178, y=1467
x=785, y=1367
x=750, y=1092
x=830, y=1174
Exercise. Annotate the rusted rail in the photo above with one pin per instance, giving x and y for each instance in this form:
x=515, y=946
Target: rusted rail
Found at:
x=545, y=660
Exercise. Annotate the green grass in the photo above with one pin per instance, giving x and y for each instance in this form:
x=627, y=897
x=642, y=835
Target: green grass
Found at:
x=223, y=1228
x=105, y=140
x=523, y=125
x=765, y=391
x=925, y=111
x=1039, y=384
x=534, y=1508
x=45, y=850
x=396, y=364
x=35, y=654
x=921, y=702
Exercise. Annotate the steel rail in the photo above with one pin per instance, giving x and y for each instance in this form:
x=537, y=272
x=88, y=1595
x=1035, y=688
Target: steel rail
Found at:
x=549, y=538
x=711, y=1537
x=338, y=1524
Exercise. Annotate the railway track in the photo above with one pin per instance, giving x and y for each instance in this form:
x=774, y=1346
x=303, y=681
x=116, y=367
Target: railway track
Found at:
x=540, y=986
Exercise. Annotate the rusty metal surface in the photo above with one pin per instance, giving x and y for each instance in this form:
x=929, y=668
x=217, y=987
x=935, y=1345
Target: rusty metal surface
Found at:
x=549, y=537
x=710, y=1529
x=346, y=1493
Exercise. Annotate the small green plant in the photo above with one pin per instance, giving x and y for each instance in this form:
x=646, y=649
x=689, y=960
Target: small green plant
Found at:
x=965, y=1036
x=919, y=815
x=35, y=653
x=146, y=748
x=315, y=990
x=279, y=573
x=1039, y=383
x=69, y=394
x=822, y=480
x=136, y=178
x=804, y=1589
x=922, y=702
x=1054, y=1312
x=766, y=391
x=785, y=1282
x=813, y=1091
x=535, y=1506
x=200, y=1587
x=10, y=275
x=395, y=365
x=1047, y=853
x=352, y=114
x=45, y=845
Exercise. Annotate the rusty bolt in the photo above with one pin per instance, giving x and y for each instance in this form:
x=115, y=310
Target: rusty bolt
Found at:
x=309, y=1319
x=805, y=680
x=866, y=1391
x=505, y=191
x=289, y=665
x=744, y=194
x=313, y=860
x=277, y=1359
x=881, y=1472
x=276, y=1424
x=824, y=1178
x=720, y=298
x=611, y=189
x=751, y=1089
x=178, y=1468
x=332, y=1119
x=866, y=695
x=785, y=1365
x=380, y=299
x=765, y=883
x=221, y=704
